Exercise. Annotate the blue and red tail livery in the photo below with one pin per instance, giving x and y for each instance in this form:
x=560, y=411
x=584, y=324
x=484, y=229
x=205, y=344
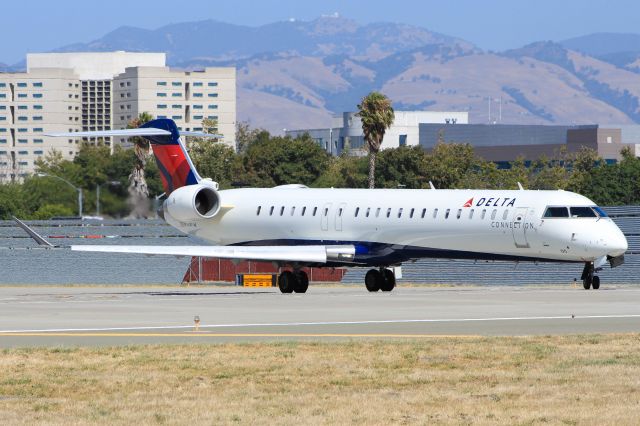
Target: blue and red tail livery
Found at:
x=176, y=168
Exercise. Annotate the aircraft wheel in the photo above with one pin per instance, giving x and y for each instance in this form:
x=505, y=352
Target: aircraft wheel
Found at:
x=389, y=280
x=286, y=282
x=586, y=283
x=596, y=282
x=301, y=282
x=372, y=280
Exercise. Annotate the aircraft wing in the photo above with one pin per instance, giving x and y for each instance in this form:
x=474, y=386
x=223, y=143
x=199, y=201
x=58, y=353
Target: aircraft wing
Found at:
x=302, y=254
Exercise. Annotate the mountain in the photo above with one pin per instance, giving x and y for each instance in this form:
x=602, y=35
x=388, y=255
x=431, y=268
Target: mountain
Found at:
x=296, y=74
x=621, y=50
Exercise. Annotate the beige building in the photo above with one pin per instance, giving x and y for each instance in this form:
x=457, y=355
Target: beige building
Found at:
x=63, y=92
x=186, y=97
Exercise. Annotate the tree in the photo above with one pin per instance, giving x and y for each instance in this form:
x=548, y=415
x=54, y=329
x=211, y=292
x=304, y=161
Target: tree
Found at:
x=245, y=135
x=377, y=115
x=213, y=159
x=138, y=188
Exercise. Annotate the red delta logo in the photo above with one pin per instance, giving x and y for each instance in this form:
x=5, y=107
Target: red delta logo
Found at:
x=468, y=203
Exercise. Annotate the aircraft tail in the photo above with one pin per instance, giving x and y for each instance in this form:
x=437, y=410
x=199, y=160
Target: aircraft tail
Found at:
x=175, y=165
x=176, y=168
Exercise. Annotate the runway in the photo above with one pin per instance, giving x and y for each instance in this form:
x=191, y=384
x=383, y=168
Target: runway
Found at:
x=117, y=315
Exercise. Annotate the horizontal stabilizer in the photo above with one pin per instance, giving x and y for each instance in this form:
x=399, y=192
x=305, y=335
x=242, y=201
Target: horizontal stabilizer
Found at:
x=109, y=133
x=302, y=254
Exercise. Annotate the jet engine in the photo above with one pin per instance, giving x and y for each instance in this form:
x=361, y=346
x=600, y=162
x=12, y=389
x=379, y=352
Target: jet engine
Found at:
x=193, y=202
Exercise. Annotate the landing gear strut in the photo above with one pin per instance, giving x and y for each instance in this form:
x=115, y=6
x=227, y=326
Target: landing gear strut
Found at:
x=589, y=279
x=383, y=279
x=297, y=281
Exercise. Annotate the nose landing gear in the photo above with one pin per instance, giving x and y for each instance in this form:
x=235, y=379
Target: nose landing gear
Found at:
x=589, y=279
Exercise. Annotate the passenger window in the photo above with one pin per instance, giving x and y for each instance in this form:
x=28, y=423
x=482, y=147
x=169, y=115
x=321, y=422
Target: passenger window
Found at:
x=271, y=211
x=493, y=214
x=315, y=210
x=471, y=214
x=411, y=213
x=582, y=212
x=258, y=212
x=424, y=211
x=340, y=212
x=554, y=212
x=484, y=213
x=357, y=211
x=378, y=212
x=459, y=214
x=505, y=214
x=368, y=211
x=304, y=209
x=389, y=212
x=399, y=212
x=435, y=213
x=293, y=210
x=326, y=211
x=446, y=214
x=281, y=210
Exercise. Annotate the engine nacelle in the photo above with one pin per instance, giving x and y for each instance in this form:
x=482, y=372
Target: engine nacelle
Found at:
x=193, y=202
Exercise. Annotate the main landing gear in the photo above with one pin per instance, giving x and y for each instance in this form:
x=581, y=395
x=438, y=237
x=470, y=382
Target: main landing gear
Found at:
x=383, y=279
x=296, y=281
x=589, y=279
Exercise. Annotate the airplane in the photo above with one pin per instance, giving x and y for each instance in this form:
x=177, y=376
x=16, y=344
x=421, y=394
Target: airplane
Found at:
x=296, y=226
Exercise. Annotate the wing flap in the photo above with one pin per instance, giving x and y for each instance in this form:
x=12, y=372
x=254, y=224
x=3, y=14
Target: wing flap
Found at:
x=303, y=254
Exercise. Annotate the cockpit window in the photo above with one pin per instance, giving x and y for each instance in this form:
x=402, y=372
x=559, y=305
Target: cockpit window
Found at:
x=582, y=212
x=600, y=212
x=556, y=212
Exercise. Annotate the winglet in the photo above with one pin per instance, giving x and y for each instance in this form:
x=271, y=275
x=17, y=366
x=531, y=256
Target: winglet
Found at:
x=33, y=234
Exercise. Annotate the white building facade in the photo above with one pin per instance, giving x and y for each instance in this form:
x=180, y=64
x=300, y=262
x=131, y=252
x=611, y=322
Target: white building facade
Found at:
x=345, y=132
x=71, y=92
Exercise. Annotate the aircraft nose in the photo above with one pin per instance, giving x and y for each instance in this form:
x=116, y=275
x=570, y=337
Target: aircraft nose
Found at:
x=617, y=244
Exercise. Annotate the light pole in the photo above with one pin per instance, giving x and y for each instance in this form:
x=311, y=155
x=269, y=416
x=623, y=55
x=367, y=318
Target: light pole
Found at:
x=111, y=182
x=71, y=185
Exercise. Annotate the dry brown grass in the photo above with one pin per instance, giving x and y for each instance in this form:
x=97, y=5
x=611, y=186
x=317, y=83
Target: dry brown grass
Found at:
x=531, y=380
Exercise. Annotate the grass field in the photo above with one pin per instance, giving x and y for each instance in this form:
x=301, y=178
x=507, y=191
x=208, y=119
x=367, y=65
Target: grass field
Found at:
x=528, y=380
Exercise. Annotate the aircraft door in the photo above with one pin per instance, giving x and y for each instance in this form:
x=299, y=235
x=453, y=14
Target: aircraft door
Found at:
x=325, y=216
x=520, y=227
x=340, y=211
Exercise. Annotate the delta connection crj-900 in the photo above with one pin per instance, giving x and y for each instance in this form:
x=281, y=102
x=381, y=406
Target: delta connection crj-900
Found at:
x=296, y=226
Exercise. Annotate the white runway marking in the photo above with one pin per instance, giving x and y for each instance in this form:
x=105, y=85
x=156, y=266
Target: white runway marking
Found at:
x=291, y=324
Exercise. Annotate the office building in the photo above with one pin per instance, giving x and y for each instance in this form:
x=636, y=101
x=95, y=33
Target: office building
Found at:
x=86, y=91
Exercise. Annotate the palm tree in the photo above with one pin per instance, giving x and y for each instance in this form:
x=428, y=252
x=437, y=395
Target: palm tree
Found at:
x=138, y=190
x=376, y=113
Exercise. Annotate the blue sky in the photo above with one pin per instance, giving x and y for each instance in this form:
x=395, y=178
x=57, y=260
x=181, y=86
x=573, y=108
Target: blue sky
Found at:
x=41, y=25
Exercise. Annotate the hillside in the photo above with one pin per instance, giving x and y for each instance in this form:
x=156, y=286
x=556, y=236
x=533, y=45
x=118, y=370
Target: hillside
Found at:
x=295, y=74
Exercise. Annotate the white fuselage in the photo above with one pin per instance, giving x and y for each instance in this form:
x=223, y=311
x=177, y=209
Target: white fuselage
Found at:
x=389, y=226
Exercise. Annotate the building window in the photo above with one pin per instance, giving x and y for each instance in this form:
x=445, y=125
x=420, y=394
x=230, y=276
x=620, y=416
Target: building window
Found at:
x=23, y=95
x=38, y=152
x=213, y=95
x=213, y=106
x=198, y=117
x=161, y=106
x=176, y=84
x=23, y=163
x=23, y=107
x=197, y=107
x=22, y=118
x=37, y=107
x=212, y=84
x=177, y=117
x=3, y=84
x=38, y=84
x=37, y=118
x=23, y=130
x=22, y=84
x=176, y=106
x=2, y=118
x=161, y=95
x=2, y=95
x=3, y=141
x=197, y=84
x=176, y=95
x=37, y=129
x=38, y=141
x=197, y=95
x=39, y=95
x=22, y=141
x=3, y=107
x=212, y=117
x=161, y=83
